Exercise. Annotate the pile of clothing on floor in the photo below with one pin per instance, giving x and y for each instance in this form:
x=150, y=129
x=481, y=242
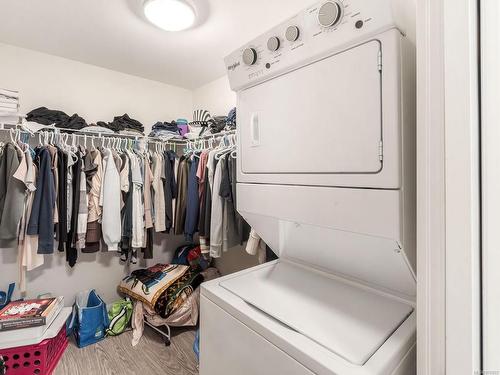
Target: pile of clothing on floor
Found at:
x=121, y=124
x=168, y=294
x=9, y=106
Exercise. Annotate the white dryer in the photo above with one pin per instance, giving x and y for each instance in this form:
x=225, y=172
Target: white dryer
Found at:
x=326, y=176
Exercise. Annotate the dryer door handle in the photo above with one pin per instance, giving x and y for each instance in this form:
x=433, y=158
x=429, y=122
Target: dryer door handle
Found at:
x=255, y=129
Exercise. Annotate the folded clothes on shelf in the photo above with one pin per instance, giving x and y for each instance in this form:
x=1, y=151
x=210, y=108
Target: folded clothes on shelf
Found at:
x=93, y=128
x=124, y=122
x=9, y=94
x=166, y=130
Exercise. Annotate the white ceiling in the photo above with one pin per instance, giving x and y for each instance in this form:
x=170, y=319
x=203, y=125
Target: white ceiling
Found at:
x=112, y=34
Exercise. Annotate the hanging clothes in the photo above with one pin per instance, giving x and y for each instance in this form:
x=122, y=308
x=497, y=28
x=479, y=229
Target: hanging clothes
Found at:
x=114, y=198
x=41, y=221
x=230, y=235
x=169, y=188
x=137, y=202
x=181, y=202
x=193, y=200
x=27, y=246
x=147, y=249
x=83, y=212
x=94, y=174
x=71, y=250
x=126, y=215
x=110, y=203
x=62, y=225
x=158, y=194
x=11, y=191
x=216, y=221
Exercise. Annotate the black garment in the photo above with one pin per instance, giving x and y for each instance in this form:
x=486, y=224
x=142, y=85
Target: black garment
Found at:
x=169, y=188
x=231, y=119
x=126, y=215
x=270, y=255
x=124, y=122
x=148, y=250
x=71, y=252
x=181, y=201
x=74, y=122
x=45, y=116
x=193, y=201
x=62, y=203
x=226, y=192
x=242, y=227
x=203, y=232
x=218, y=124
x=42, y=213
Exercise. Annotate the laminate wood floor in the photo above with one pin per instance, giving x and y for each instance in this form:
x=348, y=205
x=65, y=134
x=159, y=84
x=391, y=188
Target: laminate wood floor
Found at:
x=115, y=355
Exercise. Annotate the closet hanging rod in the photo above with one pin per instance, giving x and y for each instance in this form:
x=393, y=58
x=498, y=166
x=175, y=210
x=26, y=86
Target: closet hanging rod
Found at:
x=97, y=134
x=89, y=134
x=215, y=135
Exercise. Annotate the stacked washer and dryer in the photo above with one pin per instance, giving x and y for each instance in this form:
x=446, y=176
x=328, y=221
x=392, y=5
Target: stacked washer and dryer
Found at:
x=326, y=176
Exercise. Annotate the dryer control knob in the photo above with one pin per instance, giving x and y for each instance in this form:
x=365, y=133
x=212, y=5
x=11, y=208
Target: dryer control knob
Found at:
x=329, y=14
x=249, y=56
x=273, y=44
x=292, y=33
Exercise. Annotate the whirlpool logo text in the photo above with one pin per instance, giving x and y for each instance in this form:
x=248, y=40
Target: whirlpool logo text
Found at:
x=233, y=66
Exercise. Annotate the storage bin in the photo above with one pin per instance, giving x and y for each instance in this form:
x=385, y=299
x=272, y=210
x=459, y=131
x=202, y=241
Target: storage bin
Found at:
x=37, y=359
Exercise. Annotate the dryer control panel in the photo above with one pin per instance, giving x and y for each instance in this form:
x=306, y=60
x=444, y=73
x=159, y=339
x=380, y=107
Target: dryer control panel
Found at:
x=322, y=29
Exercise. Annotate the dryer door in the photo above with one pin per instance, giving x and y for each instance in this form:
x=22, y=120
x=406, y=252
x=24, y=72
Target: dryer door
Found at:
x=332, y=106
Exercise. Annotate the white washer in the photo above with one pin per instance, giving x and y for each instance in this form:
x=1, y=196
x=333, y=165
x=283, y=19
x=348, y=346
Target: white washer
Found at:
x=326, y=176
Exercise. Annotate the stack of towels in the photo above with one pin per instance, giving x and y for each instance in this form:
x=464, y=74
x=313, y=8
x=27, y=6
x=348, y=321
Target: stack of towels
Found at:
x=9, y=106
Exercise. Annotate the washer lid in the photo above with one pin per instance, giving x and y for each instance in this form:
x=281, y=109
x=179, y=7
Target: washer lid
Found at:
x=348, y=320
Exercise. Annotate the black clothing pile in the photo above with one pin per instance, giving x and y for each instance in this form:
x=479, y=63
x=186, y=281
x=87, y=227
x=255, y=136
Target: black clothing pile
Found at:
x=61, y=120
x=231, y=119
x=218, y=124
x=121, y=123
x=47, y=116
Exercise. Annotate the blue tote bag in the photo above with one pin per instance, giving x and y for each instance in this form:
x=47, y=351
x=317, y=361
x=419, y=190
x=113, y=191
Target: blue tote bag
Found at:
x=89, y=320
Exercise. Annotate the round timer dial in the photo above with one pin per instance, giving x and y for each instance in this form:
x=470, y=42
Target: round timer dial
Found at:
x=330, y=14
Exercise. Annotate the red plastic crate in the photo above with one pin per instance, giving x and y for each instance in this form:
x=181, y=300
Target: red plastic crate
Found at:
x=38, y=359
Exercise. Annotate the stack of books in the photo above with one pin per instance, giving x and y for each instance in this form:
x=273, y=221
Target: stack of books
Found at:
x=29, y=319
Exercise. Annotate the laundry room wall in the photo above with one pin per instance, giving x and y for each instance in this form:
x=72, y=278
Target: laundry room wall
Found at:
x=216, y=97
x=405, y=12
x=95, y=94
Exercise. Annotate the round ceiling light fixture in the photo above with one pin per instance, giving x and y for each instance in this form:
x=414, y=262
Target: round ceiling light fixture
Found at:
x=170, y=15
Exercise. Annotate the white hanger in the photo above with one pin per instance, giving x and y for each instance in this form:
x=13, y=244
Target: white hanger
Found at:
x=12, y=135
